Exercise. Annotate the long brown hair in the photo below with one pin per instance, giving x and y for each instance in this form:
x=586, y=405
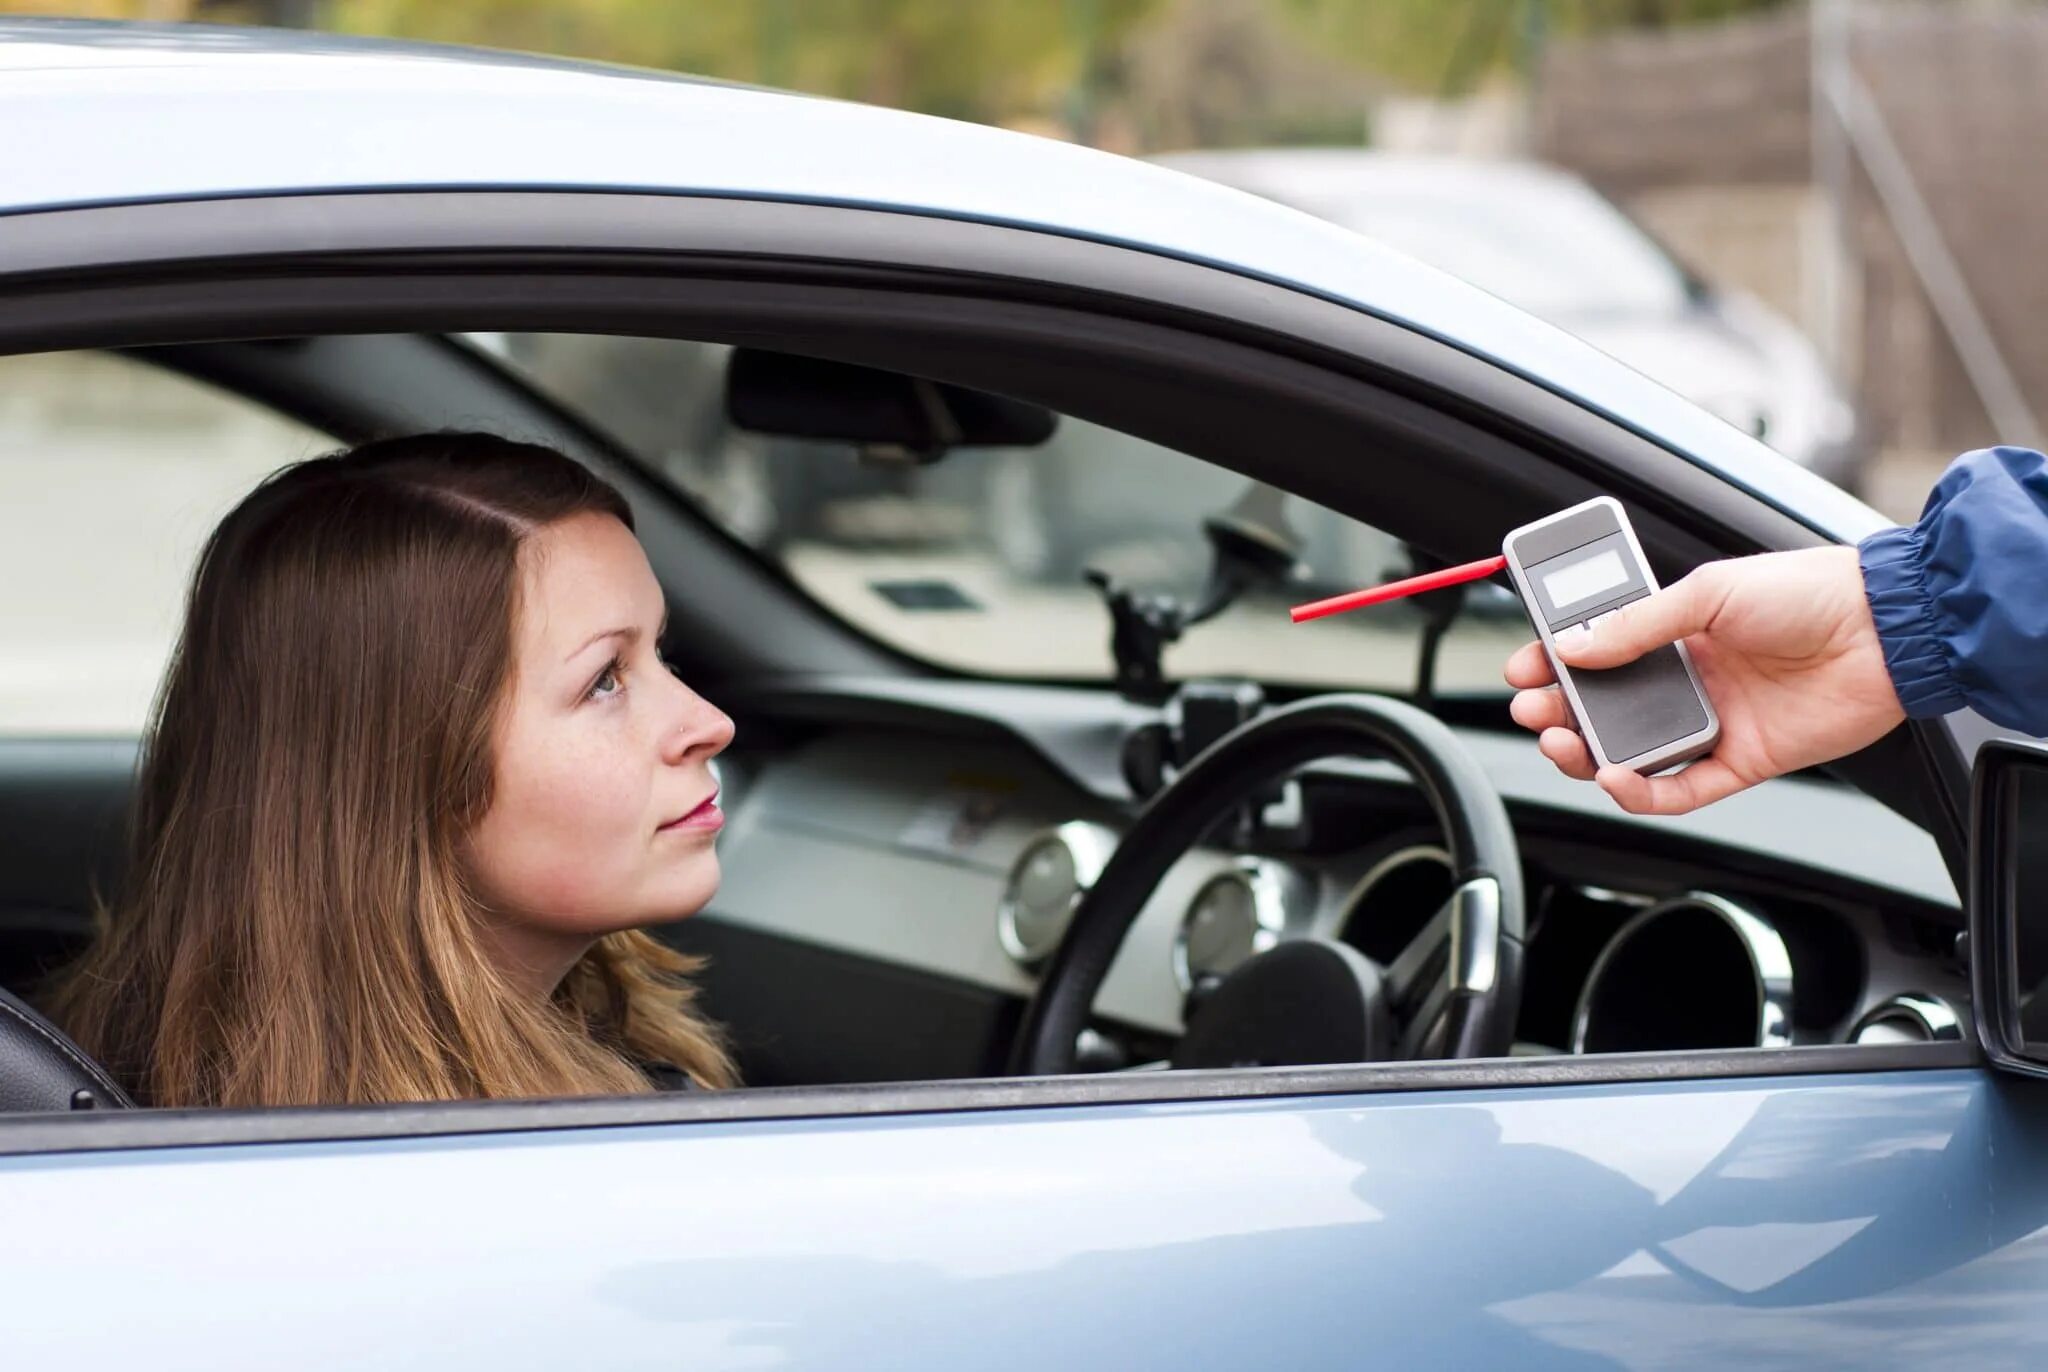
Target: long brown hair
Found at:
x=295, y=925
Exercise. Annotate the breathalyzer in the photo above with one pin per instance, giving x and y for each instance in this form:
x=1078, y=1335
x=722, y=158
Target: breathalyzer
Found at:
x=1576, y=568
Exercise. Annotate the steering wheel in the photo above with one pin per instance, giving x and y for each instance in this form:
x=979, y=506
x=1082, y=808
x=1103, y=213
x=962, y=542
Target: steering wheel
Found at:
x=1452, y=992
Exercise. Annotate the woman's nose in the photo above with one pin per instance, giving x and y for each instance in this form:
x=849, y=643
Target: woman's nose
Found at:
x=701, y=729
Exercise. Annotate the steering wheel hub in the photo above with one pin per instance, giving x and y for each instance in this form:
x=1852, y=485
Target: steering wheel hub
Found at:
x=1302, y=1002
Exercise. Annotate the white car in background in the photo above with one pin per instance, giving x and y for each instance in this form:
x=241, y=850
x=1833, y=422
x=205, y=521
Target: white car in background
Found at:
x=1545, y=241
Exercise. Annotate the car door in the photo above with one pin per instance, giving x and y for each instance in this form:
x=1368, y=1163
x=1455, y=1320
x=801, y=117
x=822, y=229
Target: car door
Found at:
x=1852, y=1218
x=1686, y=1209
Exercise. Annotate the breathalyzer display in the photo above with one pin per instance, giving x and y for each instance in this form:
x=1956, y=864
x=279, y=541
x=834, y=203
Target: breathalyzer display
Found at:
x=1575, y=568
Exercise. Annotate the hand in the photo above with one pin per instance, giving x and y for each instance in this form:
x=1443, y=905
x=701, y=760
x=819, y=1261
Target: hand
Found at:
x=1785, y=648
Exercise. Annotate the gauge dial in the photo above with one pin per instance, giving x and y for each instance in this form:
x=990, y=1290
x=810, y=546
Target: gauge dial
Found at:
x=1394, y=901
x=1695, y=971
x=1048, y=879
x=1235, y=915
x=1909, y=1018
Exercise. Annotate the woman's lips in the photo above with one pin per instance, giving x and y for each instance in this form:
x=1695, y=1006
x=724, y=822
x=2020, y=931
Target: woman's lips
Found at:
x=706, y=816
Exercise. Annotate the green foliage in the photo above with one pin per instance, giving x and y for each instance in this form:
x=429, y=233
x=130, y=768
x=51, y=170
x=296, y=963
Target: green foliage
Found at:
x=989, y=59
x=1142, y=65
x=999, y=60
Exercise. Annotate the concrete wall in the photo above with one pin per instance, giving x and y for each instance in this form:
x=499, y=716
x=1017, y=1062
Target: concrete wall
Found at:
x=1707, y=134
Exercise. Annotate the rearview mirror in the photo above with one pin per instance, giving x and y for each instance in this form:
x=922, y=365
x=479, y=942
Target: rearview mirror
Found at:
x=2009, y=903
x=886, y=414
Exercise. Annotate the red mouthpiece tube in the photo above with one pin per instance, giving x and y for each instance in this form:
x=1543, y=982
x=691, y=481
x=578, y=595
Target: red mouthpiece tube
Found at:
x=1394, y=590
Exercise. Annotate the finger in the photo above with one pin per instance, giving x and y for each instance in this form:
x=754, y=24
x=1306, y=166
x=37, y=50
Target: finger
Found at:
x=1540, y=710
x=1529, y=667
x=1568, y=751
x=1703, y=783
x=1685, y=607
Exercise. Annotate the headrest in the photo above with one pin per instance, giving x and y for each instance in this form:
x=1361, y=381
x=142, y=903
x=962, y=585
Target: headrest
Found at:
x=40, y=1069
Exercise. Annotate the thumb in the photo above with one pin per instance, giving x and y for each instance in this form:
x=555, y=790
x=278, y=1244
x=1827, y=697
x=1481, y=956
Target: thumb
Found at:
x=1665, y=616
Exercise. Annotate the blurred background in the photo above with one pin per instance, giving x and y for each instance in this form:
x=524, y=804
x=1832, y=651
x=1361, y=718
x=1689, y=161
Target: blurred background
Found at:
x=1820, y=220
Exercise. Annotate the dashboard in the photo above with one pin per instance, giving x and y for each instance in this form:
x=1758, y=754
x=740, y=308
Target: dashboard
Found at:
x=948, y=831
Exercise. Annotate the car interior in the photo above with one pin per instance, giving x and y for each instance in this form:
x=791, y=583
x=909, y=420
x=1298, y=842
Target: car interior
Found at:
x=977, y=614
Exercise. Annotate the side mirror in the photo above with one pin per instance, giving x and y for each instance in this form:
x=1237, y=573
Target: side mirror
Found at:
x=2009, y=903
x=890, y=416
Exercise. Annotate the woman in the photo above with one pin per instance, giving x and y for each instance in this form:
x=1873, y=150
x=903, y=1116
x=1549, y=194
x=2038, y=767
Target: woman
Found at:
x=417, y=780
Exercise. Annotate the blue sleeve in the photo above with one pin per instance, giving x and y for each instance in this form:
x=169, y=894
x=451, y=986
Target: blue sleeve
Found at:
x=1961, y=598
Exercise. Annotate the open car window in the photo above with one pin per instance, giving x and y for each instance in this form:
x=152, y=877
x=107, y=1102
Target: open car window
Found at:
x=115, y=471
x=976, y=561
x=123, y=466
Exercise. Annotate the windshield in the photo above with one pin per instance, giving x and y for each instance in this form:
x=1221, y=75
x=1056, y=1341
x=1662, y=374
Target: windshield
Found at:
x=976, y=561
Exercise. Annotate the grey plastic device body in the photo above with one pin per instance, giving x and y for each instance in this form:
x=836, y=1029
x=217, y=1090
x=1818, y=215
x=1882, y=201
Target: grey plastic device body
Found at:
x=1576, y=566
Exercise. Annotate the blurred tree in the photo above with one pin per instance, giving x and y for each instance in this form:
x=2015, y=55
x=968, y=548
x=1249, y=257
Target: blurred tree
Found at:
x=1128, y=73
x=997, y=60
x=1214, y=73
x=289, y=14
x=157, y=10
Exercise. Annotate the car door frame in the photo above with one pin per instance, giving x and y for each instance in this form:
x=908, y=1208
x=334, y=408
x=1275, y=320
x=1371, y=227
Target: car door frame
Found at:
x=830, y=276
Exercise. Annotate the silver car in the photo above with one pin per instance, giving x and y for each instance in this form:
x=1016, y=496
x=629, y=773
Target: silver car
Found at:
x=1285, y=1023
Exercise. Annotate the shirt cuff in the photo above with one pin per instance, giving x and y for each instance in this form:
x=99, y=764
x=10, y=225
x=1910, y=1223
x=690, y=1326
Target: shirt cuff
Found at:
x=1915, y=653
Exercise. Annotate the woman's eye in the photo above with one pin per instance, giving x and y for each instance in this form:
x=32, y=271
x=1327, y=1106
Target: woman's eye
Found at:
x=607, y=683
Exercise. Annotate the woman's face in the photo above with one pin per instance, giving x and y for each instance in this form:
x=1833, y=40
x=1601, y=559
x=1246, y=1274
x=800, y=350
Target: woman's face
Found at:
x=603, y=814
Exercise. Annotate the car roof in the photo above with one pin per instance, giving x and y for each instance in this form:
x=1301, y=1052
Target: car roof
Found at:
x=126, y=113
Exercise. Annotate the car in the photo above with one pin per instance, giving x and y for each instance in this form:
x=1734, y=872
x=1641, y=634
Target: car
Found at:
x=1281, y=1006
x=1542, y=239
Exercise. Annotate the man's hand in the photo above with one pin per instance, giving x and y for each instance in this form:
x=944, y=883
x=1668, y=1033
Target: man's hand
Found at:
x=1786, y=649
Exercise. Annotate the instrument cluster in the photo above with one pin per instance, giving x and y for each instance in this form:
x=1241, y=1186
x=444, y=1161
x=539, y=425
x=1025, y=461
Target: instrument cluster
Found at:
x=1608, y=970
